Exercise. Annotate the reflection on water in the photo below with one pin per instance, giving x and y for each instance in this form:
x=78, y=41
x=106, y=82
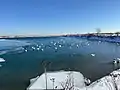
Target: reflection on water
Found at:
x=93, y=59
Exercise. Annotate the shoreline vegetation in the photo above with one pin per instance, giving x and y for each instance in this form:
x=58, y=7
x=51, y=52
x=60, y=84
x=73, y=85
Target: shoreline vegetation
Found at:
x=108, y=37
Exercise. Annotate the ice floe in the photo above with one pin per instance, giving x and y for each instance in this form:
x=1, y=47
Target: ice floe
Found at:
x=2, y=60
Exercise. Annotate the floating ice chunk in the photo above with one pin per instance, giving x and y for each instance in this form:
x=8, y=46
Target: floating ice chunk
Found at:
x=2, y=60
x=93, y=55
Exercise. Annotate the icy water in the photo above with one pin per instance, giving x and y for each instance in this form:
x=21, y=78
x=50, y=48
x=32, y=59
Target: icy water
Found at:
x=24, y=57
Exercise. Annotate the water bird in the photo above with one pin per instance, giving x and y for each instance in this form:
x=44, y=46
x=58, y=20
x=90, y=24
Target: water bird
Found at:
x=56, y=48
x=77, y=45
x=33, y=48
x=60, y=45
x=118, y=59
x=87, y=81
x=38, y=48
x=92, y=54
x=26, y=50
x=42, y=49
x=115, y=62
x=54, y=43
x=2, y=60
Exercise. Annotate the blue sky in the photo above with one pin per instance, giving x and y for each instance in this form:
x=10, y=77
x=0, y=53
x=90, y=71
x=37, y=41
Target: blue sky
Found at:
x=46, y=17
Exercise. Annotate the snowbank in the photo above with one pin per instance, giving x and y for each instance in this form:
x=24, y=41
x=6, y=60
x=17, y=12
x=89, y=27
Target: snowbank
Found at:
x=61, y=79
x=109, y=82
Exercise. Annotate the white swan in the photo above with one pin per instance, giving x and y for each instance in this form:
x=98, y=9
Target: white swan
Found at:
x=33, y=48
x=93, y=55
x=60, y=45
x=38, y=48
x=115, y=61
x=42, y=49
x=26, y=50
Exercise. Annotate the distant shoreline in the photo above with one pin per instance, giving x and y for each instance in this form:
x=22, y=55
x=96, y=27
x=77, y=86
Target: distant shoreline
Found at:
x=96, y=36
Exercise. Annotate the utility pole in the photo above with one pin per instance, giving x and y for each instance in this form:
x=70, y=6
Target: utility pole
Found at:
x=45, y=76
x=45, y=64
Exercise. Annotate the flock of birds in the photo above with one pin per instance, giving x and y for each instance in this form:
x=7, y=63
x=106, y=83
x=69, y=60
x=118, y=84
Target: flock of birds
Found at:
x=39, y=47
x=56, y=45
x=116, y=60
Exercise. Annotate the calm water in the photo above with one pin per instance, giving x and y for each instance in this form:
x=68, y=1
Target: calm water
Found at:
x=24, y=58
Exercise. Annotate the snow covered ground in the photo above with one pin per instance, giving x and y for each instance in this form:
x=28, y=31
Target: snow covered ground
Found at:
x=62, y=79
x=110, y=82
x=76, y=81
